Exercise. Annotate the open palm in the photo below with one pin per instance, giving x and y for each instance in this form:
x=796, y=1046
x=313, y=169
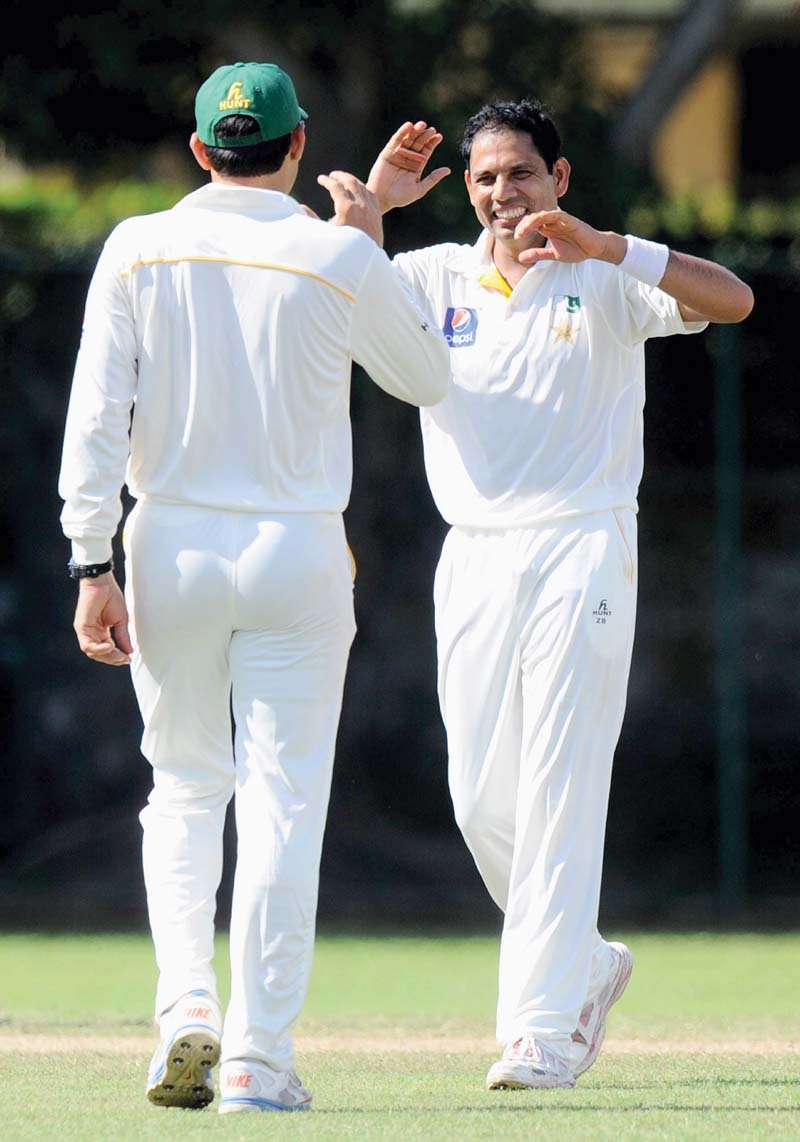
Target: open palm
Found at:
x=396, y=176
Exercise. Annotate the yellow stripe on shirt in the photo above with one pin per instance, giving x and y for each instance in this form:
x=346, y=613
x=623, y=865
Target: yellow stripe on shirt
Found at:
x=248, y=265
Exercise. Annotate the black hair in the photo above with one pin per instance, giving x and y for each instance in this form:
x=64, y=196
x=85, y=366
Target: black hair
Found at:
x=246, y=162
x=527, y=116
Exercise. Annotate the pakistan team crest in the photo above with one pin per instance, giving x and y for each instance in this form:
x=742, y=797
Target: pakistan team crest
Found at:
x=566, y=318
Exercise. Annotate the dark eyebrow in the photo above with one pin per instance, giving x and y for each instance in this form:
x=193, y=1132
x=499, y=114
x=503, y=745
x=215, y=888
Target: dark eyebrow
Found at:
x=527, y=166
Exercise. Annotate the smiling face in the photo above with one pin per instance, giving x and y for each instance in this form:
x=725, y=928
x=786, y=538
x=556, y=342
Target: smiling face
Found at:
x=507, y=179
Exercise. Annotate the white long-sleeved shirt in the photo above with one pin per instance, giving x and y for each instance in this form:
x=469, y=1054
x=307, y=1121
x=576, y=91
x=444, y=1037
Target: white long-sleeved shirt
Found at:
x=214, y=366
x=545, y=415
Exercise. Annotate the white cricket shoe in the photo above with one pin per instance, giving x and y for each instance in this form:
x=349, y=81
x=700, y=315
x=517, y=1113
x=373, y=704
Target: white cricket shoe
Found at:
x=180, y=1070
x=588, y=1036
x=249, y=1085
x=529, y=1063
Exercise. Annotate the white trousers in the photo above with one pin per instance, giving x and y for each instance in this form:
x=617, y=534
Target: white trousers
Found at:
x=534, y=632
x=237, y=614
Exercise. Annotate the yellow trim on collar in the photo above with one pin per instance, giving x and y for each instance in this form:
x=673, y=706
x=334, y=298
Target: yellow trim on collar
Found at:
x=493, y=279
x=235, y=262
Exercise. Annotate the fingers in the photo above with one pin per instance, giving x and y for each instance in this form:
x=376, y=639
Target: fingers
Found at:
x=349, y=181
x=542, y=221
x=335, y=189
x=122, y=638
x=431, y=180
x=344, y=188
x=425, y=139
x=353, y=203
x=407, y=158
x=104, y=649
x=307, y=210
x=537, y=254
x=112, y=657
x=399, y=137
x=548, y=223
x=342, y=184
x=527, y=224
x=413, y=143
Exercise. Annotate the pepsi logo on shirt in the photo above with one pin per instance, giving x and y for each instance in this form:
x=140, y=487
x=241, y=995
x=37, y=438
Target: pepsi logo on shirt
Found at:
x=460, y=326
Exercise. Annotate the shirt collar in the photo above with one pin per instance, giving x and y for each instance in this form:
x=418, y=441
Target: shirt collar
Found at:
x=477, y=263
x=491, y=278
x=472, y=260
x=241, y=199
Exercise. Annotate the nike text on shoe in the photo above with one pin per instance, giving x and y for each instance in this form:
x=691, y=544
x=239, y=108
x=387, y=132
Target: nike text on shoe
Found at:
x=588, y=1036
x=528, y=1063
x=249, y=1085
x=180, y=1070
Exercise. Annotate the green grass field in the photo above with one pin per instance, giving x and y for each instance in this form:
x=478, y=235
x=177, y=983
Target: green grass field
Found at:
x=396, y=1039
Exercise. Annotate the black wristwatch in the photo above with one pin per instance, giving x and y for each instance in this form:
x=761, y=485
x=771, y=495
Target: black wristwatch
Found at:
x=88, y=570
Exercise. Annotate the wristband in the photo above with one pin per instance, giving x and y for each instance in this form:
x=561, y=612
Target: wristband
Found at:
x=646, y=261
x=88, y=570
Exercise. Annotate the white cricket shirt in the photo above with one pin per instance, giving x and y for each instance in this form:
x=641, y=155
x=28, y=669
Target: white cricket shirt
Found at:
x=545, y=416
x=214, y=367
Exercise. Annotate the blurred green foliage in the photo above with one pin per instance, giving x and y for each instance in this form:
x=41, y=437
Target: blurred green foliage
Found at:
x=714, y=215
x=102, y=95
x=54, y=214
x=104, y=89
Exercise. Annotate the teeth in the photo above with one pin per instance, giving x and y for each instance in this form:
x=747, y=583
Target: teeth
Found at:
x=511, y=213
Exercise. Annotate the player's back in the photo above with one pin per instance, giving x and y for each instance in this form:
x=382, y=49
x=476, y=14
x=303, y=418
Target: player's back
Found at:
x=242, y=309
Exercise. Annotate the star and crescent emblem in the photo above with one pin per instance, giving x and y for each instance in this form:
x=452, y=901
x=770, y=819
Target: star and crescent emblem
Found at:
x=566, y=332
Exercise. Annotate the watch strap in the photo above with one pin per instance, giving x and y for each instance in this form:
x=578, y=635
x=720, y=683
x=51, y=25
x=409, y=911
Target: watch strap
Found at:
x=89, y=570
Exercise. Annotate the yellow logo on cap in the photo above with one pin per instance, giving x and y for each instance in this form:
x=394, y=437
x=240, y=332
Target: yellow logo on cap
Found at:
x=235, y=100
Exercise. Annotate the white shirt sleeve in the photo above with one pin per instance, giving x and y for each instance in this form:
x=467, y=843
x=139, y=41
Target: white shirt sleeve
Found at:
x=96, y=437
x=653, y=313
x=411, y=267
x=394, y=341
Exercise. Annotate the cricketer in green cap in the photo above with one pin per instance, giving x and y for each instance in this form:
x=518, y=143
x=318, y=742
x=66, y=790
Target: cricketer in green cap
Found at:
x=259, y=90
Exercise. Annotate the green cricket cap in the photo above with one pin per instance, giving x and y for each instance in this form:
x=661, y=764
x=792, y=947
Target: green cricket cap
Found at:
x=259, y=90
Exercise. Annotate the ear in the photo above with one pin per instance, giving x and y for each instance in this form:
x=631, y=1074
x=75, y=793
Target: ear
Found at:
x=298, y=143
x=198, y=149
x=468, y=184
x=561, y=172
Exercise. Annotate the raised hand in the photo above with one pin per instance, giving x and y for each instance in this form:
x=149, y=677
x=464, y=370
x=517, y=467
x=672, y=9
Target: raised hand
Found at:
x=396, y=176
x=571, y=240
x=353, y=204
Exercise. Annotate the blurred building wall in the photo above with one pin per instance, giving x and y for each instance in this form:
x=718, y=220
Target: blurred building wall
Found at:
x=695, y=141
